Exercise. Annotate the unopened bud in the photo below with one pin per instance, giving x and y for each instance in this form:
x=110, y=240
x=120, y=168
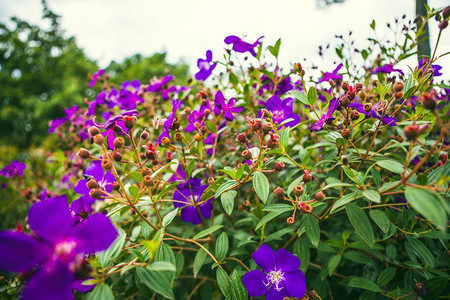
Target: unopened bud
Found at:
x=358, y=86
x=84, y=153
x=398, y=95
x=306, y=176
x=443, y=24
x=129, y=123
x=93, y=131
x=279, y=166
x=319, y=196
x=241, y=137
x=117, y=157
x=146, y=171
x=345, y=133
x=411, y=132
x=298, y=190
x=99, y=139
x=210, y=180
x=150, y=155
x=351, y=95
x=119, y=142
x=429, y=103
x=398, y=86
x=279, y=192
x=345, y=159
x=144, y=135
x=178, y=136
x=187, y=110
x=116, y=186
x=165, y=141
x=354, y=115
x=272, y=143
x=267, y=127
x=198, y=137
x=345, y=86
x=446, y=12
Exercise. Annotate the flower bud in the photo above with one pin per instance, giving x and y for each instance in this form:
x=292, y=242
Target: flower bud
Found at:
x=358, y=86
x=273, y=142
x=206, y=112
x=411, y=132
x=345, y=159
x=443, y=24
x=319, y=196
x=145, y=171
x=313, y=295
x=298, y=190
x=148, y=180
x=279, y=192
x=84, y=153
x=399, y=139
x=344, y=86
x=279, y=166
x=116, y=186
x=165, y=141
x=290, y=220
x=178, y=136
x=298, y=67
x=117, y=129
x=92, y=184
x=117, y=157
x=351, y=95
x=203, y=129
x=267, y=127
x=95, y=193
x=187, y=110
x=175, y=125
x=119, y=142
x=246, y=154
x=367, y=107
x=306, y=176
x=241, y=137
x=107, y=164
x=344, y=102
x=398, y=95
x=144, y=135
x=150, y=155
x=198, y=137
x=211, y=180
x=129, y=122
x=362, y=95
x=93, y=131
x=429, y=103
x=99, y=139
x=354, y=115
x=345, y=133
x=398, y=86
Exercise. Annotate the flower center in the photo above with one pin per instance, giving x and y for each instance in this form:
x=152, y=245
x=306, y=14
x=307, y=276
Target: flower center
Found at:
x=275, y=277
x=65, y=249
x=278, y=114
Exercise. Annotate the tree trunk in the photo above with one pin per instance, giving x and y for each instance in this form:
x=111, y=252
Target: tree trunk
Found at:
x=423, y=46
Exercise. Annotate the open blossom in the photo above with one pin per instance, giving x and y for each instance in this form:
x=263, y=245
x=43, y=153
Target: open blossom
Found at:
x=282, y=110
x=284, y=86
x=240, y=46
x=206, y=66
x=187, y=196
x=280, y=277
x=167, y=125
x=56, y=250
x=334, y=104
x=387, y=69
x=16, y=168
x=376, y=111
x=334, y=75
x=95, y=77
x=435, y=68
x=226, y=107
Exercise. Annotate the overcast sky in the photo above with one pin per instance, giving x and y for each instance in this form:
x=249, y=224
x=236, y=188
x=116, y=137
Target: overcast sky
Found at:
x=113, y=29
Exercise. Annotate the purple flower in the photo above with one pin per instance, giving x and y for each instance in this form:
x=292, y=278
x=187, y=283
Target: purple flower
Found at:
x=240, y=46
x=159, y=86
x=334, y=104
x=387, y=69
x=179, y=175
x=196, y=120
x=332, y=76
x=436, y=68
x=16, y=168
x=188, y=196
x=128, y=96
x=70, y=113
x=95, y=77
x=104, y=181
x=176, y=104
x=226, y=108
x=281, y=277
x=376, y=111
x=57, y=248
x=205, y=66
x=268, y=85
x=282, y=110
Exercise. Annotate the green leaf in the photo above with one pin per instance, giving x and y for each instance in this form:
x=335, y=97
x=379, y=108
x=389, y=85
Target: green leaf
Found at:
x=364, y=283
x=211, y=126
x=278, y=207
x=372, y=25
x=101, y=292
x=162, y=266
x=333, y=263
x=224, y=282
x=381, y=219
x=106, y=257
x=238, y=290
x=261, y=186
x=199, y=260
x=312, y=96
x=234, y=79
x=360, y=223
x=156, y=281
x=135, y=176
x=386, y=276
x=284, y=137
x=267, y=218
x=207, y=231
x=226, y=185
x=222, y=246
x=169, y=217
x=312, y=229
x=275, y=49
x=300, y=97
x=134, y=191
x=346, y=199
x=302, y=252
x=391, y=165
x=420, y=250
x=427, y=204
x=227, y=200
x=372, y=195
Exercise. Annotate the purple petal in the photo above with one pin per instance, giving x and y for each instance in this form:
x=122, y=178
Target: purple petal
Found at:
x=265, y=258
x=254, y=283
x=20, y=252
x=206, y=209
x=295, y=284
x=190, y=214
x=219, y=99
x=51, y=219
x=52, y=282
x=286, y=261
x=273, y=294
x=81, y=187
x=231, y=39
x=209, y=55
x=95, y=170
x=78, y=285
x=94, y=234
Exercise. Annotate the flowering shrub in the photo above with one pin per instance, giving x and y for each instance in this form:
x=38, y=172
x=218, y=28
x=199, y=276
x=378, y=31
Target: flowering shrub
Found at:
x=181, y=192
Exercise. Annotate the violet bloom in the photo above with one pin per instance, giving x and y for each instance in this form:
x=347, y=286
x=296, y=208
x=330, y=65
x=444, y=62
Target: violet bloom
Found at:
x=281, y=277
x=240, y=46
x=268, y=85
x=95, y=77
x=56, y=250
x=196, y=120
x=69, y=114
x=332, y=76
x=282, y=110
x=187, y=196
x=334, y=104
x=176, y=104
x=16, y=168
x=387, y=69
x=159, y=86
x=436, y=68
x=226, y=107
x=376, y=112
x=179, y=174
x=206, y=66
x=104, y=181
x=113, y=122
x=128, y=96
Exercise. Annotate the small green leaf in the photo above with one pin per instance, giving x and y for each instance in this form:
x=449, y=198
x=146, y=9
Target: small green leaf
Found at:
x=238, y=290
x=227, y=200
x=302, y=252
x=391, y=165
x=312, y=229
x=234, y=79
x=156, y=281
x=284, y=138
x=427, y=204
x=224, y=282
x=207, y=231
x=333, y=263
x=134, y=191
x=312, y=95
x=372, y=195
x=267, y=218
x=364, y=283
x=300, y=97
x=386, y=276
x=199, y=260
x=101, y=292
x=135, y=176
x=278, y=207
x=161, y=266
x=226, y=185
x=420, y=250
x=360, y=223
x=169, y=217
x=380, y=218
x=221, y=246
x=261, y=186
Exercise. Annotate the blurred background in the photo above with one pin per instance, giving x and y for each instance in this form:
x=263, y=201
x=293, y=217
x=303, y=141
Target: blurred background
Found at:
x=49, y=48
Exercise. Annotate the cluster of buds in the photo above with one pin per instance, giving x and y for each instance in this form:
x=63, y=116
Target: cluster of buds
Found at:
x=299, y=69
x=398, y=89
x=444, y=19
x=350, y=93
